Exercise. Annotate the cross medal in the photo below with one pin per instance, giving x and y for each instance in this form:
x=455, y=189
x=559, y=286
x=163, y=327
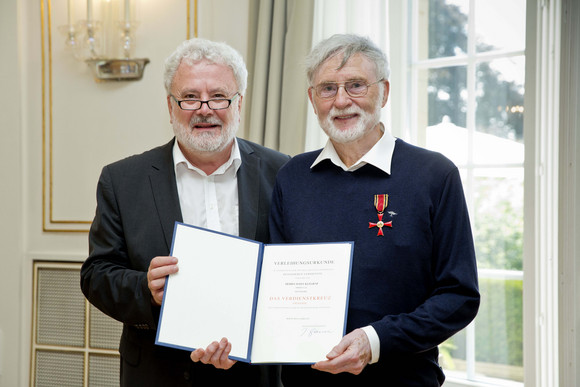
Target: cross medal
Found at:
x=380, y=204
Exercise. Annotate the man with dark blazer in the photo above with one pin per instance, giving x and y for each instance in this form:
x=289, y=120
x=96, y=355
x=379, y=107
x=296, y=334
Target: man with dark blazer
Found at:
x=205, y=176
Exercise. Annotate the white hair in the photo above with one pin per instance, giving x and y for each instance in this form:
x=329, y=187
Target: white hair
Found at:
x=197, y=49
x=347, y=45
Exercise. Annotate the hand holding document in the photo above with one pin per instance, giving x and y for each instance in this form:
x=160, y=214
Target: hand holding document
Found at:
x=279, y=303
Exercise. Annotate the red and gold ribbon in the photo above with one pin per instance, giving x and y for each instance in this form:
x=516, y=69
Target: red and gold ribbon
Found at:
x=381, y=202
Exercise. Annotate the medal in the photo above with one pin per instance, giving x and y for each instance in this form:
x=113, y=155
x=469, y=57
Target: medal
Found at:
x=380, y=204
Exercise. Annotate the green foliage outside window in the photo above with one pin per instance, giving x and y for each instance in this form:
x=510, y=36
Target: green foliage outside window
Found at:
x=499, y=332
x=498, y=223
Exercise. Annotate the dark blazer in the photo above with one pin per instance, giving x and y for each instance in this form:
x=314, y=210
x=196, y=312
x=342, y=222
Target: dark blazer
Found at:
x=137, y=207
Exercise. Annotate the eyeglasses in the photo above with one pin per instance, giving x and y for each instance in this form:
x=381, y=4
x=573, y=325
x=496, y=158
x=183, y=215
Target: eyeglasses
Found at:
x=353, y=88
x=213, y=104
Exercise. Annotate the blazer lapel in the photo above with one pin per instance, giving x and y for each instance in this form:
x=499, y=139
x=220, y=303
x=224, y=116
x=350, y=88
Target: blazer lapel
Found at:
x=164, y=189
x=248, y=191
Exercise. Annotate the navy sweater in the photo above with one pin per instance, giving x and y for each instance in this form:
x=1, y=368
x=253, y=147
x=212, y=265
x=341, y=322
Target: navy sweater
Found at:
x=416, y=284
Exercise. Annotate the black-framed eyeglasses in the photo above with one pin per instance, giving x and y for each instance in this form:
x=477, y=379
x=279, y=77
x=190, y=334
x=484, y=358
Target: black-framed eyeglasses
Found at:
x=213, y=104
x=355, y=89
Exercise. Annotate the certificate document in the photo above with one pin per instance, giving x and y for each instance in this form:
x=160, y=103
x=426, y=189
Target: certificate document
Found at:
x=277, y=303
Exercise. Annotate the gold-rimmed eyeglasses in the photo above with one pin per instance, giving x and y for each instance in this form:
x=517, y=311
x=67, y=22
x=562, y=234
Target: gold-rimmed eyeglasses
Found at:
x=355, y=89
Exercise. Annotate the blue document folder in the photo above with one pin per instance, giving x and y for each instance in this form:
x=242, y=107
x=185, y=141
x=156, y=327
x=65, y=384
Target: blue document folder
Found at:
x=276, y=303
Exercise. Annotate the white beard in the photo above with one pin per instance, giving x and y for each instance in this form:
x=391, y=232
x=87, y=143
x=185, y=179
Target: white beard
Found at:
x=366, y=122
x=206, y=141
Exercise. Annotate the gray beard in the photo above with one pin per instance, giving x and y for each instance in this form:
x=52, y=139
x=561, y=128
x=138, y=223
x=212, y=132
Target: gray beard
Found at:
x=366, y=122
x=205, y=141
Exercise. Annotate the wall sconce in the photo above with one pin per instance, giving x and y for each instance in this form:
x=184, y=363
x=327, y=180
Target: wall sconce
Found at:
x=103, y=33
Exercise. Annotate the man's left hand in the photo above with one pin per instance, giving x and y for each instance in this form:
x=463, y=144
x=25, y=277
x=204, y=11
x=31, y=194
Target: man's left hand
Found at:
x=352, y=354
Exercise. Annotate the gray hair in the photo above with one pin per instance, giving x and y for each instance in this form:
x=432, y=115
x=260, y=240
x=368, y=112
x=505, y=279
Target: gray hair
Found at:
x=198, y=49
x=347, y=45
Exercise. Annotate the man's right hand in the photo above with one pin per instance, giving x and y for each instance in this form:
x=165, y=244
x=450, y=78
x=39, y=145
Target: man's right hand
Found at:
x=159, y=268
x=215, y=354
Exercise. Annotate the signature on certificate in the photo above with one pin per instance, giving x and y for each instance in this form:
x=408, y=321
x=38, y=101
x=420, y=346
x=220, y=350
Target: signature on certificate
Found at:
x=312, y=331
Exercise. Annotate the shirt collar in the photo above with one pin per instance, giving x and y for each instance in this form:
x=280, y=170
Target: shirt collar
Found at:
x=235, y=160
x=380, y=155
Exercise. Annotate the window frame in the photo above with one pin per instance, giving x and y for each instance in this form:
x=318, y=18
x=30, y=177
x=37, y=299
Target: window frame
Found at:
x=470, y=61
x=541, y=171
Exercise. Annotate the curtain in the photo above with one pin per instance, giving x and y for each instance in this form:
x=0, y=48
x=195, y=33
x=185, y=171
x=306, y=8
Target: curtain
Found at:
x=277, y=100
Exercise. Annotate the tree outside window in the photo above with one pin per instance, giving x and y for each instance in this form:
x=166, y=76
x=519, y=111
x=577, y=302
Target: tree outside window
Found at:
x=469, y=93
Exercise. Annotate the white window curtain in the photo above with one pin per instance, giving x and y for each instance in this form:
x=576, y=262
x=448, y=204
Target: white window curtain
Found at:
x=362, y=17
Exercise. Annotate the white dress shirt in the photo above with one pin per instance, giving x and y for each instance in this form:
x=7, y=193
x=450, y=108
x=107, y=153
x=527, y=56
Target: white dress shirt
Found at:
x=209, y=201
x=380, y=155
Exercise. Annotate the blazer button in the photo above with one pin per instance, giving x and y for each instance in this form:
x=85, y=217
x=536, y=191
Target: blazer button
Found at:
x=186, y=375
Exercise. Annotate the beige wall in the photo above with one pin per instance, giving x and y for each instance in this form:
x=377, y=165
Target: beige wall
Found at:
x=83, y=126
x=12, y=327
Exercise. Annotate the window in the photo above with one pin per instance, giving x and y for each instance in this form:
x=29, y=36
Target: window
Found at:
x=457, y=87
x=467, y=80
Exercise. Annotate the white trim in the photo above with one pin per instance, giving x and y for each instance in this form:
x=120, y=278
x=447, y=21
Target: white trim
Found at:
x=456, y=382
x=541, y=204
x=501, y=274
x=461, y=60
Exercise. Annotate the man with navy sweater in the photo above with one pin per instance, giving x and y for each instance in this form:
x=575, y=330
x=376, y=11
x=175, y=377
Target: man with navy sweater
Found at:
x=414, y=278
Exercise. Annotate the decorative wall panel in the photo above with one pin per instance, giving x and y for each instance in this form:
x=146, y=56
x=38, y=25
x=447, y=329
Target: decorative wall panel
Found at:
x=88, y=124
